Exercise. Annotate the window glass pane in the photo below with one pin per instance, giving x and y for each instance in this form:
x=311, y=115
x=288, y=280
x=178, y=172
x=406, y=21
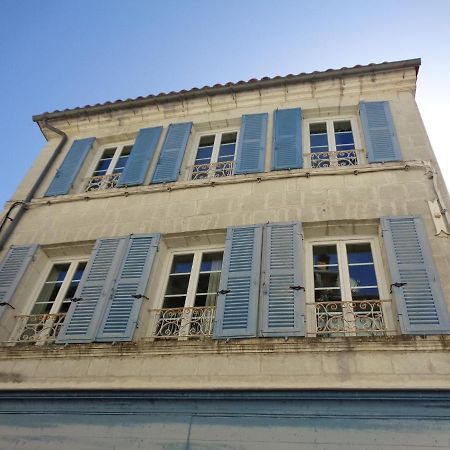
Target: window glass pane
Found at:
x=174, y=302
x=362, y=276
x=326, y=273
x=345, y=139
x=203, y=153
x=227, y=147
x=365, y=294
x=359, y=253
x=206, y=141
x=182, y=264
x=177, y=284
x=318, y=128
x=211, y=261
x=319, y=140
x=209, y=278
x=228, y=138
x=342, y=126
x=121, y=163
x=74, y=284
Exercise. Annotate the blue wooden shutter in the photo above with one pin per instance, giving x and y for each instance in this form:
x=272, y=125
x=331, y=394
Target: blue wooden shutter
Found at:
x=140, y=157
x=94, y=290
x=172, y=152
x=379, y=132
x=70, y=167
x=287, y=139
x=420, y=302
x=283, y=308
x=252, y=144
x=12, y=268
x=237, y=306
x=123, y=309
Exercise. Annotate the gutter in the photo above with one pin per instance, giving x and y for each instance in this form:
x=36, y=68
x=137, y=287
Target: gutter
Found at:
x=229, y=88
x=22, y=204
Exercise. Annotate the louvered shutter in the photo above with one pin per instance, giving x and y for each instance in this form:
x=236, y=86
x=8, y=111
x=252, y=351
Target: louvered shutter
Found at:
x=237, y=306
x=287, y=139
x=66, y=174
x=122, y=311
x=83, y=317
x=283, y=308
x=172, y=152
x=12, y=268
x=379, y=132
x=140, y=157
x=252, y=144
x=420, y=302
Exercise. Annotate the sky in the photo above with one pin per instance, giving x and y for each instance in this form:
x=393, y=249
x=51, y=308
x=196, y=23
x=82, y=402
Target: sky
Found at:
x=57, y=54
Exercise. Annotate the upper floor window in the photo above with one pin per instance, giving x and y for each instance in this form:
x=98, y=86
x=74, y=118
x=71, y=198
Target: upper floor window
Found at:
x=190, y=295
x=48, y=312
x=331, y=143
x=215, y=155
x=108, y=169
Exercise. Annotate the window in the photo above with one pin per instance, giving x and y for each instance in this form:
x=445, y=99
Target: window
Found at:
x=190, y=295
x=108, y=169
x=215, y=156
x=48, y=312
x=332, y=143
x=345, y=295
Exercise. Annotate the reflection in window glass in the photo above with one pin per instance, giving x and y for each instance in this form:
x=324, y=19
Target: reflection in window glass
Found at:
x=361, y=269
x=326, y=273
x=209, y=278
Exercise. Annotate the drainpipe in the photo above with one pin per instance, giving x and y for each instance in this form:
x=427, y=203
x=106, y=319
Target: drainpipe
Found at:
x=22, y=204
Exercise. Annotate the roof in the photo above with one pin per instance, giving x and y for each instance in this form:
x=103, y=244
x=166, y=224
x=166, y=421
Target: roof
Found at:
x=229, y=87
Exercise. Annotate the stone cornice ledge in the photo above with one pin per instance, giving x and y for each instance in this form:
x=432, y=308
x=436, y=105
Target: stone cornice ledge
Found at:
x=236, y=346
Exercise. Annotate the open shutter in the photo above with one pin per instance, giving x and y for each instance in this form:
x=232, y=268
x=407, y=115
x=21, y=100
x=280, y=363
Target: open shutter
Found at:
x=122, y=312
x=12, y=268
x=379, y=132
x=283, y=301
x=140, y=157
x=287, y=139
x=237, y=303
x=94, y=290
x=66, y=174
x=420, y=302
x=172, y=152
x=252, y=144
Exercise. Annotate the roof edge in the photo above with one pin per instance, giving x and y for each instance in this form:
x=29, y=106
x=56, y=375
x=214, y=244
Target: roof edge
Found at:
x=240, y=86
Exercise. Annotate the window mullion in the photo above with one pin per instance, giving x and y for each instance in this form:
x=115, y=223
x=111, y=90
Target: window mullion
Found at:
x=193, y=280
x=114, y=160
x=216, y=148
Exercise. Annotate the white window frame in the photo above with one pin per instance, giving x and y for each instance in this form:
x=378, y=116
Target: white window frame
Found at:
x=216, y=148
x=198, y=253
x=73, y=264
x=340, y=242
x=331, y=138
x=195, y=272
x=119, y=146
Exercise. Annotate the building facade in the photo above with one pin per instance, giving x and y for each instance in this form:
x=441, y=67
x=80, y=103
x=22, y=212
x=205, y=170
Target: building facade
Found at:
x=260, y=264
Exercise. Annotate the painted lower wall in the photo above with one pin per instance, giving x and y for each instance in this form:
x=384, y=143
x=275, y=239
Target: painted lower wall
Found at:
x=220, y=420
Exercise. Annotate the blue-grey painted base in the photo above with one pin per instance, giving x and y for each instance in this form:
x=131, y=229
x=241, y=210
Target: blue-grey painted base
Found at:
x=223, y=420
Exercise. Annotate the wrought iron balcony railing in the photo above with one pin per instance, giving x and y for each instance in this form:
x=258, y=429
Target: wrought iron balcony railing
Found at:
x=98, y=183
x=39, y=328
x=194, y=322
x=357, y=317
x=340, y=158
x=212, y=170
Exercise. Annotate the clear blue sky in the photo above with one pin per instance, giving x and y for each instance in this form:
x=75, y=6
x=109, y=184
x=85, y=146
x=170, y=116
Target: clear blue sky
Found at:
x=62, y=54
